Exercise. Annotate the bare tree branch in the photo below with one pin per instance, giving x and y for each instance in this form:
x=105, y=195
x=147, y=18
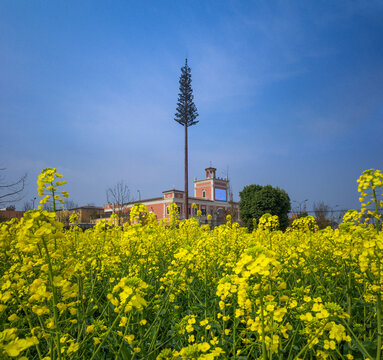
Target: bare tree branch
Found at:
x=322, y=211
x=118, y=196
x=70, y=204
x=28, y=205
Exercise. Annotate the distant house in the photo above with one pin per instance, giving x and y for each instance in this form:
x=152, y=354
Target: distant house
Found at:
x=211, y=196
x=85, y=214
x=7, y=214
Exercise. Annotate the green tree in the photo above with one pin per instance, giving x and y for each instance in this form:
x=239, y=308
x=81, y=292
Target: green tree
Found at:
x=185, y=116
x=257, y=200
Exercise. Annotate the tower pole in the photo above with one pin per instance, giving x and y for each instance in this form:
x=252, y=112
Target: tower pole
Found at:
x=186, y=174
x=186, y=115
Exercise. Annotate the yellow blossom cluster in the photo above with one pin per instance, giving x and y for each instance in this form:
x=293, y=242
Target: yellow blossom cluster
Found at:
x=47, y=186
x=370, y=186
x=306, y=223
x=268, y=222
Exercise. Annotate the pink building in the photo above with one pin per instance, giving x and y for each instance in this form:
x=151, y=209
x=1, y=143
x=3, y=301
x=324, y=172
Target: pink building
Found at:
x=211, y=196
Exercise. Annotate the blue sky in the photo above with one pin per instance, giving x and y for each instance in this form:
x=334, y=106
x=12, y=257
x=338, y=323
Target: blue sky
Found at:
x=290, y=93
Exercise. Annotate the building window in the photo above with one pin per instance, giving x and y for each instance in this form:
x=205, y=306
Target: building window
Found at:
x=203, y=211
x=203, y=193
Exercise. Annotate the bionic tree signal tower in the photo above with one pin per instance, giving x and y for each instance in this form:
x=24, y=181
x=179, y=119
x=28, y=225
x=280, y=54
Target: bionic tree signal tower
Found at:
x=185, y=116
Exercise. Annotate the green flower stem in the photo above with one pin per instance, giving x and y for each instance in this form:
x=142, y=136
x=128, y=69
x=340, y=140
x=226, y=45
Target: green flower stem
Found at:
x=377, y=220
x=349, y=304
x=165, y=303
x=264, y=352
x=379, y=319
x=162, y=345
x=29, y=323
x=234, y=334
x=309, y=343
x=359, y=344
x=205, y=282
x=54, y=210
x=154, y=339
x=292, y=342
x=107, y=333
x=53, y=198
x=54, y=300
x=122, y=341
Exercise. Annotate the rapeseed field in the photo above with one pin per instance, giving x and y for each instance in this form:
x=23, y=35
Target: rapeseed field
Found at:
x=180, y=290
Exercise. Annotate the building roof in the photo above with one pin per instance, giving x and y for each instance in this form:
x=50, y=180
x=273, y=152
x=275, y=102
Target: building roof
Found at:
x=110, y=206
x=145, y=200
x=181, y=191
x=210, y=179
x=87, y=207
